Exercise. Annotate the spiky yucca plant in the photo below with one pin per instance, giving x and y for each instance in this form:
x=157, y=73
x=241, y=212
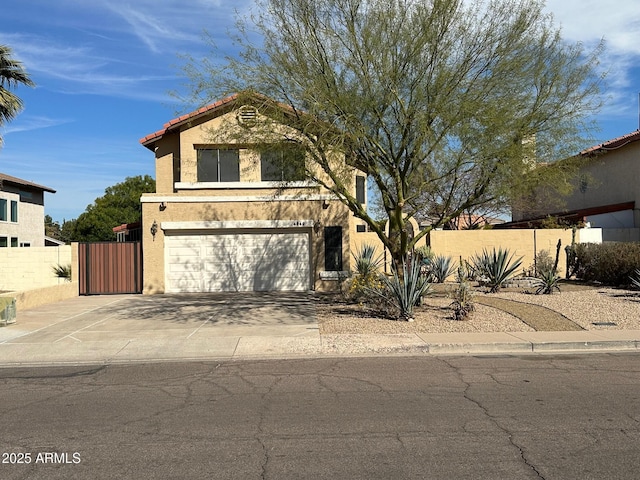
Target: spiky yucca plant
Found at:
x=497, y=267
x=62, y=271
x=635, y=278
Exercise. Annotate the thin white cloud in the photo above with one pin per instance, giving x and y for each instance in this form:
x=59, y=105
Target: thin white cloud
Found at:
x=26, y=123
x=80, y=70
x=153, y=31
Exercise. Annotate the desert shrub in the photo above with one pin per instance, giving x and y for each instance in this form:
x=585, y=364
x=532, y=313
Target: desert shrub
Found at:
x=610, y=263
x=424, y=253
x=362, y=288
x=462, y=304
x=496, y=267
x=544, y=262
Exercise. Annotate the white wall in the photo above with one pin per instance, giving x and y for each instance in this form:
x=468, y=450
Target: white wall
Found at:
x=29, y=268
x=589, y=235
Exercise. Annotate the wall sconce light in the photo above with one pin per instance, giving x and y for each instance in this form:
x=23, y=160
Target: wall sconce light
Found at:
x=154, y=229
x=325, y=204
x=317, y=226
x=163, y=206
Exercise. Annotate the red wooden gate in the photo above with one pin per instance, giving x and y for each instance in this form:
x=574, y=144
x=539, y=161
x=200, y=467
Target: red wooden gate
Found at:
x=110, y=267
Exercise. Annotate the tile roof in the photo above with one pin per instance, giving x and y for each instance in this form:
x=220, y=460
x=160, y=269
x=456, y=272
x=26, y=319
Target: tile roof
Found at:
x=19, y=181
x=176, y=122
x=613, y=144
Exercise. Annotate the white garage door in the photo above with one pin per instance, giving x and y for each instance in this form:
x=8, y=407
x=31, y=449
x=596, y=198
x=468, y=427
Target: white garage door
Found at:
x=239, y=262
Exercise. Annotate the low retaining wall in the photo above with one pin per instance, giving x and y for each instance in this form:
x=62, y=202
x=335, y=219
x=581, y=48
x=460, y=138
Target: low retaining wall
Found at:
x=27, y=299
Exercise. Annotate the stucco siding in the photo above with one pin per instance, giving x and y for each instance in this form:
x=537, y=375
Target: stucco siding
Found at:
x=335, y=214
x=29, y=268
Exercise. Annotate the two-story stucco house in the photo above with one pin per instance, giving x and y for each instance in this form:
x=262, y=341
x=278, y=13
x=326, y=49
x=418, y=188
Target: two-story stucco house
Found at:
x=229, y=216
x=606, y=193
x=21, y=212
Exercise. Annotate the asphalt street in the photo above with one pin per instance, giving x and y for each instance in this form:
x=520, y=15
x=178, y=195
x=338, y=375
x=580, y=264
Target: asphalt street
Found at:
x=503, y=417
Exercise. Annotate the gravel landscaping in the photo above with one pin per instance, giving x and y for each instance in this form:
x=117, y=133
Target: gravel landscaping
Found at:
x=592, y=308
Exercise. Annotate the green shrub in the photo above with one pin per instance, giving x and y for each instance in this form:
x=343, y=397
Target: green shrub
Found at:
x=496, y=267
x=611, y=263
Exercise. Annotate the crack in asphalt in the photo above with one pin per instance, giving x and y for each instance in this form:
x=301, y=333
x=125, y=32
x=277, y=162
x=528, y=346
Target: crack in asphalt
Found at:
x=493, y=420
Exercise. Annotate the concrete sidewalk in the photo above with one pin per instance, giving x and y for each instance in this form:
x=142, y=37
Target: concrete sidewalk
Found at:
x=109, y=329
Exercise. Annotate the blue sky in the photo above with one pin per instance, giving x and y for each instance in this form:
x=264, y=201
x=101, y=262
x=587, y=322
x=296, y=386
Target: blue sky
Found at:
x=103, y=70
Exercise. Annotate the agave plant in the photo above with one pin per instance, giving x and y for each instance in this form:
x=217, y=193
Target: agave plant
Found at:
x=635, y=278
x=546, y=282
x=496, y=267
x=366, y=261
x=406, y=291
x=440, y=268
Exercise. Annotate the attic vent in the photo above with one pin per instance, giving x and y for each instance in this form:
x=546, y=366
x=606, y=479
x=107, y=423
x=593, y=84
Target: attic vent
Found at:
x=247, y=116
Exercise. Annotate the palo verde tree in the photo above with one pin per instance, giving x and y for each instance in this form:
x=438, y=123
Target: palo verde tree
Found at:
x=12, y=74
x=444, y=104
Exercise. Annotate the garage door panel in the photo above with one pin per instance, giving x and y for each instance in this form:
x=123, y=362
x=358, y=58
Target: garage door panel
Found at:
x=237, y=262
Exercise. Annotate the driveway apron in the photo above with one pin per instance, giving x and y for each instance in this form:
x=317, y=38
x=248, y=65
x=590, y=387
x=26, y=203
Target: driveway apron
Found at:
x=139, y=327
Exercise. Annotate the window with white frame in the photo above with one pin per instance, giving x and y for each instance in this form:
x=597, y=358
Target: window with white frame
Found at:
x=218, y=165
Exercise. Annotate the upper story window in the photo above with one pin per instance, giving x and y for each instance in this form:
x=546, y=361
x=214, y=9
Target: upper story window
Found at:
x=14, y=211
x=284, y=164
x=218, y=165
x=3, y=210
x=360, y=189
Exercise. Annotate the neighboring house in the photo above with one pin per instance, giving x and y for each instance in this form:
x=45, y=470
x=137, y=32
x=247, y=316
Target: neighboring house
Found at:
x=606, y=193
x=128, y=232
x=21, y=212
x=466, y=221
x=228, y=216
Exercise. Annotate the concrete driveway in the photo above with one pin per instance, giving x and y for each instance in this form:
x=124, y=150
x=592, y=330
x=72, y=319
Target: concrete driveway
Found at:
x=139, y=327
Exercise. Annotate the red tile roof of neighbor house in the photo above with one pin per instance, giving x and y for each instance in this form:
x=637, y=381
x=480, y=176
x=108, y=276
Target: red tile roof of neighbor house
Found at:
x=613, y=144
x=25, y=183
